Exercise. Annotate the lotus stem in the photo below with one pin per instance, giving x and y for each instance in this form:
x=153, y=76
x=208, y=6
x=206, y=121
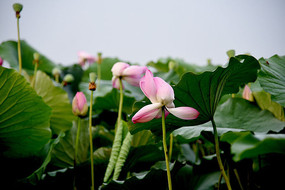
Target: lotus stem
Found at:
x=91, y=141
x=165, y=149
x=217, y=147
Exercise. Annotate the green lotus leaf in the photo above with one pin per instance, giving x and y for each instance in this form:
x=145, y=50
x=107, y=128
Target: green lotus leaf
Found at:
x=272, y=77
x=57, y=99
x=24, y=116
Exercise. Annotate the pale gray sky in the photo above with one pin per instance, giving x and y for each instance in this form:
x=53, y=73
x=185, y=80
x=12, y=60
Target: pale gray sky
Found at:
x=141, y=31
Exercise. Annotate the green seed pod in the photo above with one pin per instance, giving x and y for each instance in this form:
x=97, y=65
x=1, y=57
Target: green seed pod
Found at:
x=17, y=7
x=231, y=53
x=36, y=56
x=56, y=71
x=172, y=65
x=92, y=77
x=68, y=78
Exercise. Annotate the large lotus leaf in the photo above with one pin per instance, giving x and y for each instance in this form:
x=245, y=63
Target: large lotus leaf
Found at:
x=111, y=102
x=24, y=117
x=63, y=152
x=248, y=145
x=272, y=77
x=203, y=92
x=9, y=52
x=57, y=99
x=233, y=115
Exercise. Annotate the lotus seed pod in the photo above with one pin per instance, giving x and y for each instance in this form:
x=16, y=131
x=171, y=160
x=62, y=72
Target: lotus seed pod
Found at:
x=231, y=53
x=68, y=78
x=172, y=65
x=17, y=7
x=36, y=56
x=99, y=54
x=92, y=77
x=56, y=71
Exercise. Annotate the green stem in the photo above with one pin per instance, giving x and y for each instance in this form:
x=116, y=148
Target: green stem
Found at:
x=19, y=46
x=170, y=146
x=77, y=140
x=219, y=156
x=120, y=105
x=165, y=149
x=35, y=75
x=91, y=142
x=98, y=75
x=57, y=78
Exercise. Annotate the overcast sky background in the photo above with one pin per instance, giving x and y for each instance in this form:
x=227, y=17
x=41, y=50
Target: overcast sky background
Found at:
x=141, y=31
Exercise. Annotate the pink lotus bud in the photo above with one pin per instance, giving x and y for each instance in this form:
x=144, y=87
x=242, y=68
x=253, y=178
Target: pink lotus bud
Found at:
x=1, y=61
x=79, y=104
x=247, y=94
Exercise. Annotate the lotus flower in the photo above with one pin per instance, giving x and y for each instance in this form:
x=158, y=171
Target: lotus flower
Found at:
x=85, y=57
x=79, y=104
x=131, y=74
x=161, y=95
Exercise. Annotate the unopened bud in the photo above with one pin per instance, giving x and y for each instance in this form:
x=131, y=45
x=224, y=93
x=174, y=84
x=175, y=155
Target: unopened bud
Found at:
x=79, y=104
x=68, y=78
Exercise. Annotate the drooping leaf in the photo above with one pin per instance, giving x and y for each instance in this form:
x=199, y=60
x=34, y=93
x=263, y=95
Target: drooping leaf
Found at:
x=37, y=175
x=248, y=145
x=263, y=99
x=63, y=152
x=57, y=99
x=272, y=77
x=9, y=52
x=24, y=117
x=203, y=92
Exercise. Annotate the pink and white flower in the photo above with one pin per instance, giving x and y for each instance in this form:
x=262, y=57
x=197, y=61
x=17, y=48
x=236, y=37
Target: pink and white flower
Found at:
x=85, y=57
x=79, y=104
x=131, y=74
x=161, y=95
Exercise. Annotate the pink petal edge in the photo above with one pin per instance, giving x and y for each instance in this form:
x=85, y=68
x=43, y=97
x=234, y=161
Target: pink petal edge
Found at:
x=186, y=113
x=147, y=113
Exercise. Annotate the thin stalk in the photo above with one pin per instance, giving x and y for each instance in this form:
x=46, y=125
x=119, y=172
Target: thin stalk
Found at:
x=91, y=142
x=77, y=140
x=98, y=75
x=238, y=179
x=170, y=146
x=120, y=105
x=76, y=150
x=35, y=75
x=19, y=46
x=217, y=147
x=165, y=149
x=57, y=78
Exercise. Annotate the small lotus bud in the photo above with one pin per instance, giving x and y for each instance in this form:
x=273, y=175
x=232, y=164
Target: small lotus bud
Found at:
x=17, y=7
x=231, y=53
x=68, y=78
x=36, y=56
x=209, y=61
x=56, y=71
x=172, y=65
x=79, y=104
x=92, y=77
